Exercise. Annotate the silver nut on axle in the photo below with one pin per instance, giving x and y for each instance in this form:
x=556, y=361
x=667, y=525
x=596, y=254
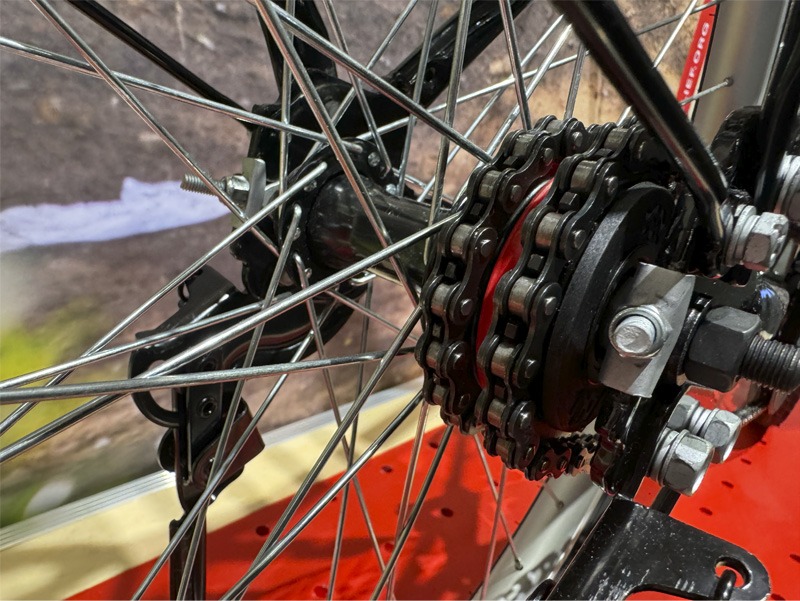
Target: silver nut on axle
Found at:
x=719, y=427
x=755, y=241
x=680, y=461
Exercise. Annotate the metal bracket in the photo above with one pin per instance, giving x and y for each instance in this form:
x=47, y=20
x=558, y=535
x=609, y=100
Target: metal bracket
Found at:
x=668, y=293
x=633, y=548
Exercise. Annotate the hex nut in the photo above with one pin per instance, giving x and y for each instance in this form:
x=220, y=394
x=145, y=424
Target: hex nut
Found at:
x=765, y=241
x=719, y=427
x=722, y=430
x=681, y=461
x=718, y=347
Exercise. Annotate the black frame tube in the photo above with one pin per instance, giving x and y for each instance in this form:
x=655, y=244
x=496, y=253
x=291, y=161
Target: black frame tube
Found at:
x=613, y=44
x=129, y=36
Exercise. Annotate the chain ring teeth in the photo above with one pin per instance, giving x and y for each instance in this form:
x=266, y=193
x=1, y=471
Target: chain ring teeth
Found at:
x=591, y=161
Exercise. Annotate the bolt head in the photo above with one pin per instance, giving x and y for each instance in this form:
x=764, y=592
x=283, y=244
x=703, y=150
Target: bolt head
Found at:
x=721, y=431
x=765, y=241
x=636, y=336
x=687, y=463
x=373, y=159
x=682, y=413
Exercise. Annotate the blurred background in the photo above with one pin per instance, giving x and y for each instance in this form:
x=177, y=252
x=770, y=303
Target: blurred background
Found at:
x=92, y=220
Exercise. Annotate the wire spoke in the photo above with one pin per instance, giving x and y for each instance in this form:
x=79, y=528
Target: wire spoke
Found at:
x=575, y=83
x=728, y=81
x=21, y=411
x=412, y=517
x=317, y=106
x=65, y=421
x=337, y=546
x=48, y=57
x=358, y=89
x=380, y=84
x=407, y=486
x=490, y=480
x=462, y=30
x=516, y=66
x=348, y=99
x=272, y=287
x=665, y=48
x=492, y=101
x=347, y=420
x=427, y=35
x=260, y=564
x=541, y=72
x=530, y=74
x=493, y=537
x=326, y=375
x=193, y=514
x=118, y=388
x=366, y=312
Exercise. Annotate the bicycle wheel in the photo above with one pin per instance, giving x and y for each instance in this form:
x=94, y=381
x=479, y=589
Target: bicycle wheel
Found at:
x=353, y=190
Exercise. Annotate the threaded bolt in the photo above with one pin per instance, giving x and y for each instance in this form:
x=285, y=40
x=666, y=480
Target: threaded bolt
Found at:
x=192, y=183
x=637, y=333
x=772, y=363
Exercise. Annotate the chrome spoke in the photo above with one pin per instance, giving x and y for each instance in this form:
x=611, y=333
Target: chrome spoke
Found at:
x=348, y=99
x=358, y=307
x=516, y=66
x=541, y=72
x=272, y=287
x=347, y=420
x=337, y=546
x=55, y=59
x=268, y=13
x=575, y=83
x=122, y=349
x=457, y=66
x=213, y=482
x=408, y=484
x=358, y=89
x=286, y=108
x=412, y=517
x=380, y=84
x=131, y=100
x=118, y=388
x=319, y=341
x=503, y=84
x=493, y=537
x=665, y=48
x=259, y=565
x=427, y=35
x=489, y=478
x=728, y=81
x=492, y=101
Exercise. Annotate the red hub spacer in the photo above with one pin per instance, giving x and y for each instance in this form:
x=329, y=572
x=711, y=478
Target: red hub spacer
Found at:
x=507, y=258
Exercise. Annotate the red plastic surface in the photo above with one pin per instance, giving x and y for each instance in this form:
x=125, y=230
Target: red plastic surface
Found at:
x=444, y=558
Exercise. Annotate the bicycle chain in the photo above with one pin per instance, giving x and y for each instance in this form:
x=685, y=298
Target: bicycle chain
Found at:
x=588, y=167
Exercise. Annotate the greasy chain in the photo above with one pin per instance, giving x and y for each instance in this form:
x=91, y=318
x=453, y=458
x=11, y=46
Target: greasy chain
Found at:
x=589, y=167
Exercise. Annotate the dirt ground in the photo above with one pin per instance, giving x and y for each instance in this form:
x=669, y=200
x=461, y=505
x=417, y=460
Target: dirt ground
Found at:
x=66, y=137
